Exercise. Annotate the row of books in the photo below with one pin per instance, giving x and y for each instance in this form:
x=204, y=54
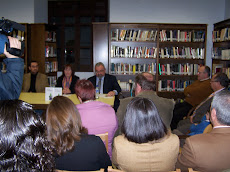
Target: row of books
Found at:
x=50, y=51
x=133, y=52
x=52, y=81
x=227, y=71
x=220, y=53
x=178, y=69
x=20, y=35
x=173, y=85
x=125, y=68
x=221, y=35
x=133, y=35
x=51, y=66
x=126, y=86
x=182, y=52
x=182, y=36
x=50, y=36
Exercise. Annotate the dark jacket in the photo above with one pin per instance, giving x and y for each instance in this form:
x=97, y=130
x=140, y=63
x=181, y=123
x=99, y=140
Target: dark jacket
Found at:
x=110, y=84
x=11, y=81
x=89, y=154
x=72, y=85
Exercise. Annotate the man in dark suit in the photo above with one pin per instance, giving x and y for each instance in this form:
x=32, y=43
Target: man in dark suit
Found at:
x=211, y=151
x=107, y=83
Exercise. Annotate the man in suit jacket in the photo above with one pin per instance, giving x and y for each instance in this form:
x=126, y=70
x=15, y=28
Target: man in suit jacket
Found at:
x=34, y=81
x=218, y=82
x=145, y=87
x=109, y=84
x=211, y=151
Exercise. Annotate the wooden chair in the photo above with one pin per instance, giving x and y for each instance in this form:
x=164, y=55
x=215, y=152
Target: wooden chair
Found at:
x=111, y=169
x=191, y=170
x=104, y=137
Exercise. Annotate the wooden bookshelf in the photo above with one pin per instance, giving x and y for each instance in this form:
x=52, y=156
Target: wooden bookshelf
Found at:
x=221, y=47
x=146, y=47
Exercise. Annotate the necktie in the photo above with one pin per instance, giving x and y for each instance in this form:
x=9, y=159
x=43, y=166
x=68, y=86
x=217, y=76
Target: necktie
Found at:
x=99, y=85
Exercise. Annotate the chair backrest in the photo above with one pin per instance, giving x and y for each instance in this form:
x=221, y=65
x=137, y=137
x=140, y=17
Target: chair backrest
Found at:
x=177, y=170
x=208, y=129
x=110, y=169
x=191, y=170
x=104, y=137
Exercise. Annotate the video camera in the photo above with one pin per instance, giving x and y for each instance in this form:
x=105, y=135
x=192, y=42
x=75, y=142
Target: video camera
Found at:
x=6, y=27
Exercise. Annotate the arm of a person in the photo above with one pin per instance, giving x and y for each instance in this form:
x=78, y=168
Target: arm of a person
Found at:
x=186, y=158
x=15, y=71
x=116, y=87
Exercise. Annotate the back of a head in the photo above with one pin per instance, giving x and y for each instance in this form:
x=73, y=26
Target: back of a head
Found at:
x=222, y=78
x=63, y=124
x=221, y=103
x=145, y=83
x=142, y=123
x=24, y=146
x=85, y=90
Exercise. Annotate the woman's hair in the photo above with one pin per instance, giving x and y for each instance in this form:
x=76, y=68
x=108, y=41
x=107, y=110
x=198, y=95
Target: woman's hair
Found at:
x=64, y=124
x=68, y=66
x=142, y=122
x=85, y=90
x=23, y=143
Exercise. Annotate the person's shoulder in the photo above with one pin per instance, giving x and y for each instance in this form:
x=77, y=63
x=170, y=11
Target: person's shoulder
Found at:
x=125, y=100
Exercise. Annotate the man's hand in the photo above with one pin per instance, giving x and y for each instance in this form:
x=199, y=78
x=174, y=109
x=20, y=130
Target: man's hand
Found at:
x=66, y=91
x=111, y=93
x=14, y=43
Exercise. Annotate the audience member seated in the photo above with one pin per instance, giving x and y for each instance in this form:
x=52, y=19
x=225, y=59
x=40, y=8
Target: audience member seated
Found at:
x=194, y=95
x=145, y=144
x=76, y=150
x=145, y=87
x=24, y=146
x=211, y=151
x=34, y=81
x=219, y=82
x=67, y=80
x=96, y=116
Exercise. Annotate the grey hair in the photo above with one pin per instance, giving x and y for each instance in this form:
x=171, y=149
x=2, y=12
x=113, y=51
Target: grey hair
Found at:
x=99, y=64
x=221, y=103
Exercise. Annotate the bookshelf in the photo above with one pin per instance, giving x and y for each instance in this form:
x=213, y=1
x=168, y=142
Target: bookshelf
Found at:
x=43, y=49
x=221, y=47
x=171, y=52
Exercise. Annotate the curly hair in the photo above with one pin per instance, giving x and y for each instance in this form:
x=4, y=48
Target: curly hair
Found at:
x=23, y=143
x=64, y=124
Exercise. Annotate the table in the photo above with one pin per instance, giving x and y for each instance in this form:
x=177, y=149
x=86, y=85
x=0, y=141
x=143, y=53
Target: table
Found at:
x=38, y=99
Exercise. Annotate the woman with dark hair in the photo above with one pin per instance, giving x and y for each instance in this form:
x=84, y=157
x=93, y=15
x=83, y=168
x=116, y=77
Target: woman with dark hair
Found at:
x=76, y=150
x=23, y=143
x=96, y=116
x=146, y=144
x=67, y=80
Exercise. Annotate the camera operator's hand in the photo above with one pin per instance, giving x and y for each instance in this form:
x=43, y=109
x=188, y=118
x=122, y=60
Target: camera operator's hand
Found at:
x=14, y=43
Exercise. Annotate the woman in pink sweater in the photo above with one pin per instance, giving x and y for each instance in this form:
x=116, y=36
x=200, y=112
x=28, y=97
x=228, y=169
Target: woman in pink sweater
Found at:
x=96, y=116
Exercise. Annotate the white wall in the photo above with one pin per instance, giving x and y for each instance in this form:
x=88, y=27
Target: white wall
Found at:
x=170, y=11
x=25, y=11
x=227, y=9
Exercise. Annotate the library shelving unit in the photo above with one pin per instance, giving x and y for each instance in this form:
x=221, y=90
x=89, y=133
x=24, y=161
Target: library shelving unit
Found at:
x=221, y=47
x=171, y=52
x=43, y=49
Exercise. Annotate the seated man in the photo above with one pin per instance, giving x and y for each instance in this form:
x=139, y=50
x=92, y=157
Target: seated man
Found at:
x=34, y=81
x=194, y=95
x=211, y=151
x=145, y=87
x=219, y=82
x=108, y=83
x=11, y=81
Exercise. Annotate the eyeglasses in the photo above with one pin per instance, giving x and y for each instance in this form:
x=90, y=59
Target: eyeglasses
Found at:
x=213, y=81
x=100, y=71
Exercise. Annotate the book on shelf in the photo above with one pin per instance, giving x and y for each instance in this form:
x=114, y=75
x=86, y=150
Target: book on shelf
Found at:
x=178, y=69
x=51, y=66
x=50, y=36
x=220, y=53
x=52, y=80
x=133, y=35
x=221, y=35
x=132, y=69
x=126, y=86
x=50, y=51
x=182, y=36
x=173, y=85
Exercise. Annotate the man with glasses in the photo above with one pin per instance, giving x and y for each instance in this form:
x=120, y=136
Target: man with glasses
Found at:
x=211, y=151
x=194, y=94
x=107, y=84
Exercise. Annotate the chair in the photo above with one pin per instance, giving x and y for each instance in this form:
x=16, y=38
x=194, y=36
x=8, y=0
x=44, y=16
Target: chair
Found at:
x=110, y=169
x=104, y=137
x=208, y=129
x=191, y=170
